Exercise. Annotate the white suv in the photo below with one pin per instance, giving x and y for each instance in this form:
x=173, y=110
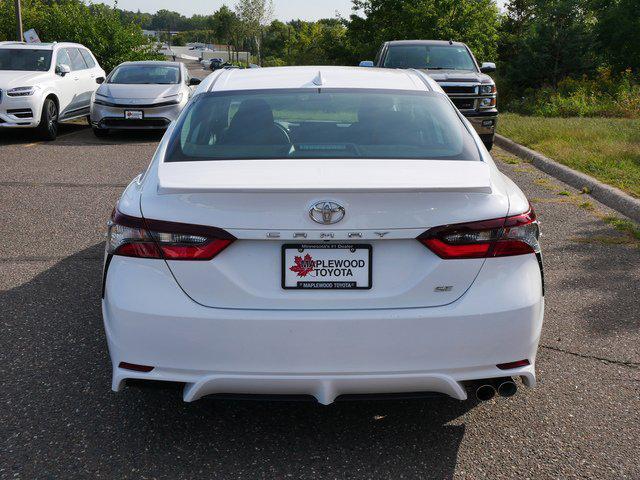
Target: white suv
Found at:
x=44, y=83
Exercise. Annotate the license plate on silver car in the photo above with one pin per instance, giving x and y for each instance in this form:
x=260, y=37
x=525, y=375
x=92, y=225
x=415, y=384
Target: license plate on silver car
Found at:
x=133, y=114
x=329, y=266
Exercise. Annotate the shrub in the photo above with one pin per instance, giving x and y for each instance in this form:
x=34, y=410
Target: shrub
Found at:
x=273, y=62
x=606, y=95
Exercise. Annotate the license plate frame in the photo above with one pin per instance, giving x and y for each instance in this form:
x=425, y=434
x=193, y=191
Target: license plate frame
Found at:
x=134, y=114
x=331, y=284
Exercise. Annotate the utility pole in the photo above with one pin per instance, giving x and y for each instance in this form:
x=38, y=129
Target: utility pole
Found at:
x=19, y=20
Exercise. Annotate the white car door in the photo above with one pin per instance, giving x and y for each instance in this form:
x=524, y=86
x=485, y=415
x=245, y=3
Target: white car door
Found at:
x=66, y=85
x=96, y=73
x=84, y=83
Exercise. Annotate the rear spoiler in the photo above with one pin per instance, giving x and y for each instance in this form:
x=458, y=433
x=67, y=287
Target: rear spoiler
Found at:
x=324, y=175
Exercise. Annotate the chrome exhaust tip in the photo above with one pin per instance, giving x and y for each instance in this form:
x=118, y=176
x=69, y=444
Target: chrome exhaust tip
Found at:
x=485, y=392
x=507, y=388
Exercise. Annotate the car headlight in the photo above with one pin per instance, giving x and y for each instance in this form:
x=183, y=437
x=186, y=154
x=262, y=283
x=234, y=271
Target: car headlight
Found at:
x=173, y=99
x=487, y=89
x=22, y=91
x=487, y=102
x=102, y=100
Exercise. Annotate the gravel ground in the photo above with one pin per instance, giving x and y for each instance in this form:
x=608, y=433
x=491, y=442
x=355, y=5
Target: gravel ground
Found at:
x=59, y=419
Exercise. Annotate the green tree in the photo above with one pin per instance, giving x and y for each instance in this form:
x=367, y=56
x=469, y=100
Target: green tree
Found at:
x=168, y=20
x=254, y=16
x=98, y=27
x=544, y=41
x=305, y=43
x=276, y=42
x=617, y=32
x=225, y=25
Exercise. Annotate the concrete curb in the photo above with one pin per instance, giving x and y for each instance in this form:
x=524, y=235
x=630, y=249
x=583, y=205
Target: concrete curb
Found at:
x=610, y=196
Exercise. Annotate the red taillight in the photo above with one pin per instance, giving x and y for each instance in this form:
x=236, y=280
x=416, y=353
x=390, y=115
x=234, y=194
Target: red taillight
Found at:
x=500, y=237
x=135, y=367
x=137, y=237
x=510, y=365
x=446, y=250
x=139, y=249
x=195, y=252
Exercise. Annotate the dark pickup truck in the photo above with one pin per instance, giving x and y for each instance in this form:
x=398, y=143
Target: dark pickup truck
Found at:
x=456, y=70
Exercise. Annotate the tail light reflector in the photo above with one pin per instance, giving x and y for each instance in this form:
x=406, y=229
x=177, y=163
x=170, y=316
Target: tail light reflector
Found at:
x=510, y=365
x=500, y=237
x=137, y=237
x=135, y=367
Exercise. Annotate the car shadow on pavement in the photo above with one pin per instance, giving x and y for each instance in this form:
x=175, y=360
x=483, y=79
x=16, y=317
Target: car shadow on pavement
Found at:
x=60, y=419
x=128, y=136
x=13, y=136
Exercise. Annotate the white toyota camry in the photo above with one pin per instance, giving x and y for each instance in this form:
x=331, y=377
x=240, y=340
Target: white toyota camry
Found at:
x=323, y=231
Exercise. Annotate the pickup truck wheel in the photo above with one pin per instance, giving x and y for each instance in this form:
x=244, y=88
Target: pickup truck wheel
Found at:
x=48, y=126
x=487, y=139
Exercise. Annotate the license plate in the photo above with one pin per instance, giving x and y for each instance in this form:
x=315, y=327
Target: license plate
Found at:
x=133, y=114
x=329, y=266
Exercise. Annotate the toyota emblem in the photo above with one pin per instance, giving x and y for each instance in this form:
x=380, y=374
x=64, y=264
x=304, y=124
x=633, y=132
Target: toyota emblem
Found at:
x=326, y=213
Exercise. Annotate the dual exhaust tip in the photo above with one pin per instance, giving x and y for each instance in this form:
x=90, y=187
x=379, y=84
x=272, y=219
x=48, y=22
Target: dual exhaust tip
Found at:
x=505, y=387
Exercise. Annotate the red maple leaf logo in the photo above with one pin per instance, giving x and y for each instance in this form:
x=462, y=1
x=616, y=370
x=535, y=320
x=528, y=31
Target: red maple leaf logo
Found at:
x=303, y=266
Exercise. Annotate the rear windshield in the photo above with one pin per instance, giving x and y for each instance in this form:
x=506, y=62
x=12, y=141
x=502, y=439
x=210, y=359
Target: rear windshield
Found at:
x=320, y=124
x=145, y=74
x=25, y=59
x=431, y=57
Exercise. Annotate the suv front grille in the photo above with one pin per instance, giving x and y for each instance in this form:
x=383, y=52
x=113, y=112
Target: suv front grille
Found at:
x=464, y=103
x=464, y=89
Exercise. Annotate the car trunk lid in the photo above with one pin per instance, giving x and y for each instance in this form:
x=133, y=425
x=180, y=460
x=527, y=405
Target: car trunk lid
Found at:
x=328, y=175
x=265, y=204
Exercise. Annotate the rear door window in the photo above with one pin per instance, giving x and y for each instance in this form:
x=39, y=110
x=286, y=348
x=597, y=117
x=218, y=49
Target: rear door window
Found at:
x=77, y=62
x=88, y=59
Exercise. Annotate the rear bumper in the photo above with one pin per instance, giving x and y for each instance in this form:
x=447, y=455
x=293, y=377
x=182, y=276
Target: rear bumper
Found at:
x=150, y=321
x=484, y=123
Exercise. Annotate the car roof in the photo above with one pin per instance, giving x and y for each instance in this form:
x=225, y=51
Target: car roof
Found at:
x=153, y=62
x=318, y=77
x=40, y=46
x=425, y=42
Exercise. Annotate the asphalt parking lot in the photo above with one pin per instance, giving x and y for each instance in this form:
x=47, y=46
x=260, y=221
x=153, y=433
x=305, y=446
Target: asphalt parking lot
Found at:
x=59, y=418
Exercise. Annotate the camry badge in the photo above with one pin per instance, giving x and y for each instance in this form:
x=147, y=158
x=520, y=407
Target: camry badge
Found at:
x=326, y=213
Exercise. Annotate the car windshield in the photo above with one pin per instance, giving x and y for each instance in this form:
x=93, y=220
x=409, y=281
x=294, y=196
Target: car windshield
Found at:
x=436, y=57
x=326, y=123
x=25, y=59
x=145, y=74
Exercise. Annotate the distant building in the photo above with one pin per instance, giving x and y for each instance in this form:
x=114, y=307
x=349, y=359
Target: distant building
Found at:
x=156, y=33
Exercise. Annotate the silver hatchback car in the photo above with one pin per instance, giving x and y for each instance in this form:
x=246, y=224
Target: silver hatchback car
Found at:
x=141, y=95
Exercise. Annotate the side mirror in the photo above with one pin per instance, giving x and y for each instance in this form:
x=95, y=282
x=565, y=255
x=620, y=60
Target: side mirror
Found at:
x=488, y=67
x=100, y=80
x=366, y=63
x=63, y=69
x=194, y=81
